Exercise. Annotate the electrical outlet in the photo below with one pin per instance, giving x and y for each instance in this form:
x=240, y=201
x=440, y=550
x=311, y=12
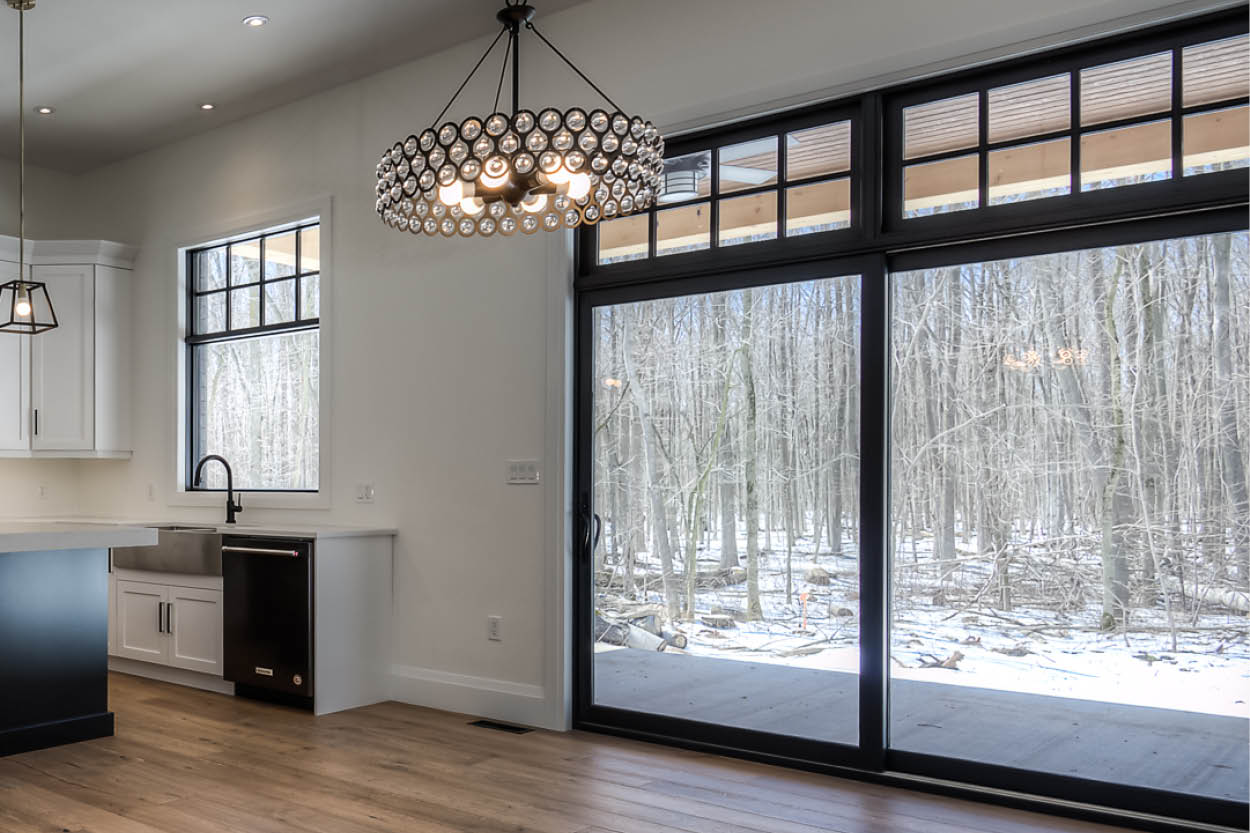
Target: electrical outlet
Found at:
x=523, y=472
x=364, y=493
x=494, y=628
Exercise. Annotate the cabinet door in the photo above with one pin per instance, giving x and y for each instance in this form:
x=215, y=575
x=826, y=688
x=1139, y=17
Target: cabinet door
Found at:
x=14, y=382
x=140, y=629
x=195, y=629
x=63, y=363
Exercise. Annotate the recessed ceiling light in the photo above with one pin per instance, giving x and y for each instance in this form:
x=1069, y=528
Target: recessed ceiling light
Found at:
x=255, y=20
x=207, y=106
x=45, y=110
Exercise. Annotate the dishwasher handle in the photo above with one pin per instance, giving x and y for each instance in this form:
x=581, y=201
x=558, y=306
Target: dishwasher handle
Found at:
x=260, y=551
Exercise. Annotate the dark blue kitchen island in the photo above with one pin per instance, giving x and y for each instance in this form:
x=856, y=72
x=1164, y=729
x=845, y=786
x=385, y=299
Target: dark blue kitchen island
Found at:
x=54, y=631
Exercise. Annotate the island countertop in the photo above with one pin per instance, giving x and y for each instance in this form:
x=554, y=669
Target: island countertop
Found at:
x=38, y=536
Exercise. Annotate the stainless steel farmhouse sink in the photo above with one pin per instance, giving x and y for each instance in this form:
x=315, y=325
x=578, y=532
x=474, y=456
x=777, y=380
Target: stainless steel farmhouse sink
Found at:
x=192, y=550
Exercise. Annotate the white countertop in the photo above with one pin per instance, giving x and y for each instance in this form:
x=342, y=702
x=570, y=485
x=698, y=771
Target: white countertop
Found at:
x=277, y=530
x=40, y=536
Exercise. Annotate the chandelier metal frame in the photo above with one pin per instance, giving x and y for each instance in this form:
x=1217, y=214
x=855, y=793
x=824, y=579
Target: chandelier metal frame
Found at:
x=522, y=171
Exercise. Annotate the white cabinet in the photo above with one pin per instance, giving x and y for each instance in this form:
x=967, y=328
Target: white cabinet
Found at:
x=141, y=621
x=194, y=625
x=180, y=627
x=66, y=392
x=62, y=363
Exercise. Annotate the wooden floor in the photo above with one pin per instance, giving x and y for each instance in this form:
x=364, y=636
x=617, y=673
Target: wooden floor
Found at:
x=186, y=761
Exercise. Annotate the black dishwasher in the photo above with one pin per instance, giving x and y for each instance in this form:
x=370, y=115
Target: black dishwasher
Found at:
x=267, y=601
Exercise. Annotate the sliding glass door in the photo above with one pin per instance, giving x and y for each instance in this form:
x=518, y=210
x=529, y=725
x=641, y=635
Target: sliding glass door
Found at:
x=1070, y=517
x=725, y=454
x=913, y=433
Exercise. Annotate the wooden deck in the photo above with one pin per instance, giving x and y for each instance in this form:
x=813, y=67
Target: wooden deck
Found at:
x=1185, y=752
x=187, y=761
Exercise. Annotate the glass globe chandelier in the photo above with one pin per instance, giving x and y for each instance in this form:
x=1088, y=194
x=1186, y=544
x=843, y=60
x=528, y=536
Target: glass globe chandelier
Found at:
x=25, y=306
x=523, y=171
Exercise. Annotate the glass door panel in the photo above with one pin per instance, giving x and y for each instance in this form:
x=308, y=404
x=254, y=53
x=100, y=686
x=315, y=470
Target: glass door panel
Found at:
x=725, y=471
x=1070, y=516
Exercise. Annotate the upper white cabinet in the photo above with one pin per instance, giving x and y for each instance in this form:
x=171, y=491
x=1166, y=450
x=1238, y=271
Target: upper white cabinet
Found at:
x=66, y=392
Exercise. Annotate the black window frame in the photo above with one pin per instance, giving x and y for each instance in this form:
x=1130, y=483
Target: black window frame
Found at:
x=877, y=222
x=879, y=243
x=193, y=339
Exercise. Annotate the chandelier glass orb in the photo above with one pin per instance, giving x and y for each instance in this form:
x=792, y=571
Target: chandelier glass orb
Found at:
x=520, y=172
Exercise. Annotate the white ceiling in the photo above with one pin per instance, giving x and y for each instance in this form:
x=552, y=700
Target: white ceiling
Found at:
x=129, y=75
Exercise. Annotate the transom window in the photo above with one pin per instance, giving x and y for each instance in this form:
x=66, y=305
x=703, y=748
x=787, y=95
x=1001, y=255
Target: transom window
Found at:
x=253, y=359
x=780, y=185
x=1175, y=112
x=1110, y=129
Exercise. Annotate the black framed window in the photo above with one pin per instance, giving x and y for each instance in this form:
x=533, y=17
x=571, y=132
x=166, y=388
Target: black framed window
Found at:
x=974, y=198
x=1064, y=127
x=749, y=192
x=253, y=359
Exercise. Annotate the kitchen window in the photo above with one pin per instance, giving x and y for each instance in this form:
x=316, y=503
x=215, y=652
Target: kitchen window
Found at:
x=254, y=359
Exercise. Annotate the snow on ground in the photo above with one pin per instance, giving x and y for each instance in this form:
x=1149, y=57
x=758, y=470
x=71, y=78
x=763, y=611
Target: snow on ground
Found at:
x=1026, y=649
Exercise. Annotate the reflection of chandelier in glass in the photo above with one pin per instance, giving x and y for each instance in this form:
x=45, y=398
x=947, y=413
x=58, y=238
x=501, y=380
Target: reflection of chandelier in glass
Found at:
x=504, y=173
x=25, y=307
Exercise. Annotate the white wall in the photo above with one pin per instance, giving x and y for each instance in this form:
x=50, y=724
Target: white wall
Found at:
x=448, y=355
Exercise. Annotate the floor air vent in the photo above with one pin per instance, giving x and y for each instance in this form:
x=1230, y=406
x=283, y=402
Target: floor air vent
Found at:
x=501, y=727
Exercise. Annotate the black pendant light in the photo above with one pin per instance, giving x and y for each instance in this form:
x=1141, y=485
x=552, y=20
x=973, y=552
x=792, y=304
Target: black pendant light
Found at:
x=25, y=306
x=525, y=171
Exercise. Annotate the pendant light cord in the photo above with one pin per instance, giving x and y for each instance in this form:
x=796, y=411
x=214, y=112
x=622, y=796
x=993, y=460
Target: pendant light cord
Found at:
x=573, y=66
x=21, y=144
x=469, y=77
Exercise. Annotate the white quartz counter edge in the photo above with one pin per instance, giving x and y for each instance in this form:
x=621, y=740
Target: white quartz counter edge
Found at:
x=43, y=536
x=276, y=530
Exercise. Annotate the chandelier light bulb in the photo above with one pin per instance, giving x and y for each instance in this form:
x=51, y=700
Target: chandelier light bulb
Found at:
x=451, y=194
x=472, y=206
x=489, y=181
x=559, y=176
x=579, y=186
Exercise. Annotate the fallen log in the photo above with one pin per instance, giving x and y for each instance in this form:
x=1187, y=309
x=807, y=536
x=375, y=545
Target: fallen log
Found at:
x=627, y=636
x=1238, y=600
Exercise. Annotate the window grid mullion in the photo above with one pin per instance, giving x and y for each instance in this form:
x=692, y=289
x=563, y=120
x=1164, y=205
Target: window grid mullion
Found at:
x=1178, y=121
x=782, y=182
x=983, y=154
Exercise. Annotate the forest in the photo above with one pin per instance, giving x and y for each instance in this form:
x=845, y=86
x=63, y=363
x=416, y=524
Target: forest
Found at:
x=1069, y=437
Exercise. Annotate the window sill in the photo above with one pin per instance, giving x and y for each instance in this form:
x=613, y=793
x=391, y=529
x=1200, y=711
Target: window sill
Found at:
x=253, y=500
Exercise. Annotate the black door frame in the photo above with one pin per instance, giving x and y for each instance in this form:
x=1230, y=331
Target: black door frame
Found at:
x=870, y=753
x=877, y=244
x=872, y=759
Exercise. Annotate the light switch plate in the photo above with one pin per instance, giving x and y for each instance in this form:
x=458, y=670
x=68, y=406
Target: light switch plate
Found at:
x=523, y=472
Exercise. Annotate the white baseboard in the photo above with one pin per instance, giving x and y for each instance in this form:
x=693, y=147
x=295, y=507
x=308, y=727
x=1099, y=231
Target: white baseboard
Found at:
x=165, y=674
x=478, y=696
